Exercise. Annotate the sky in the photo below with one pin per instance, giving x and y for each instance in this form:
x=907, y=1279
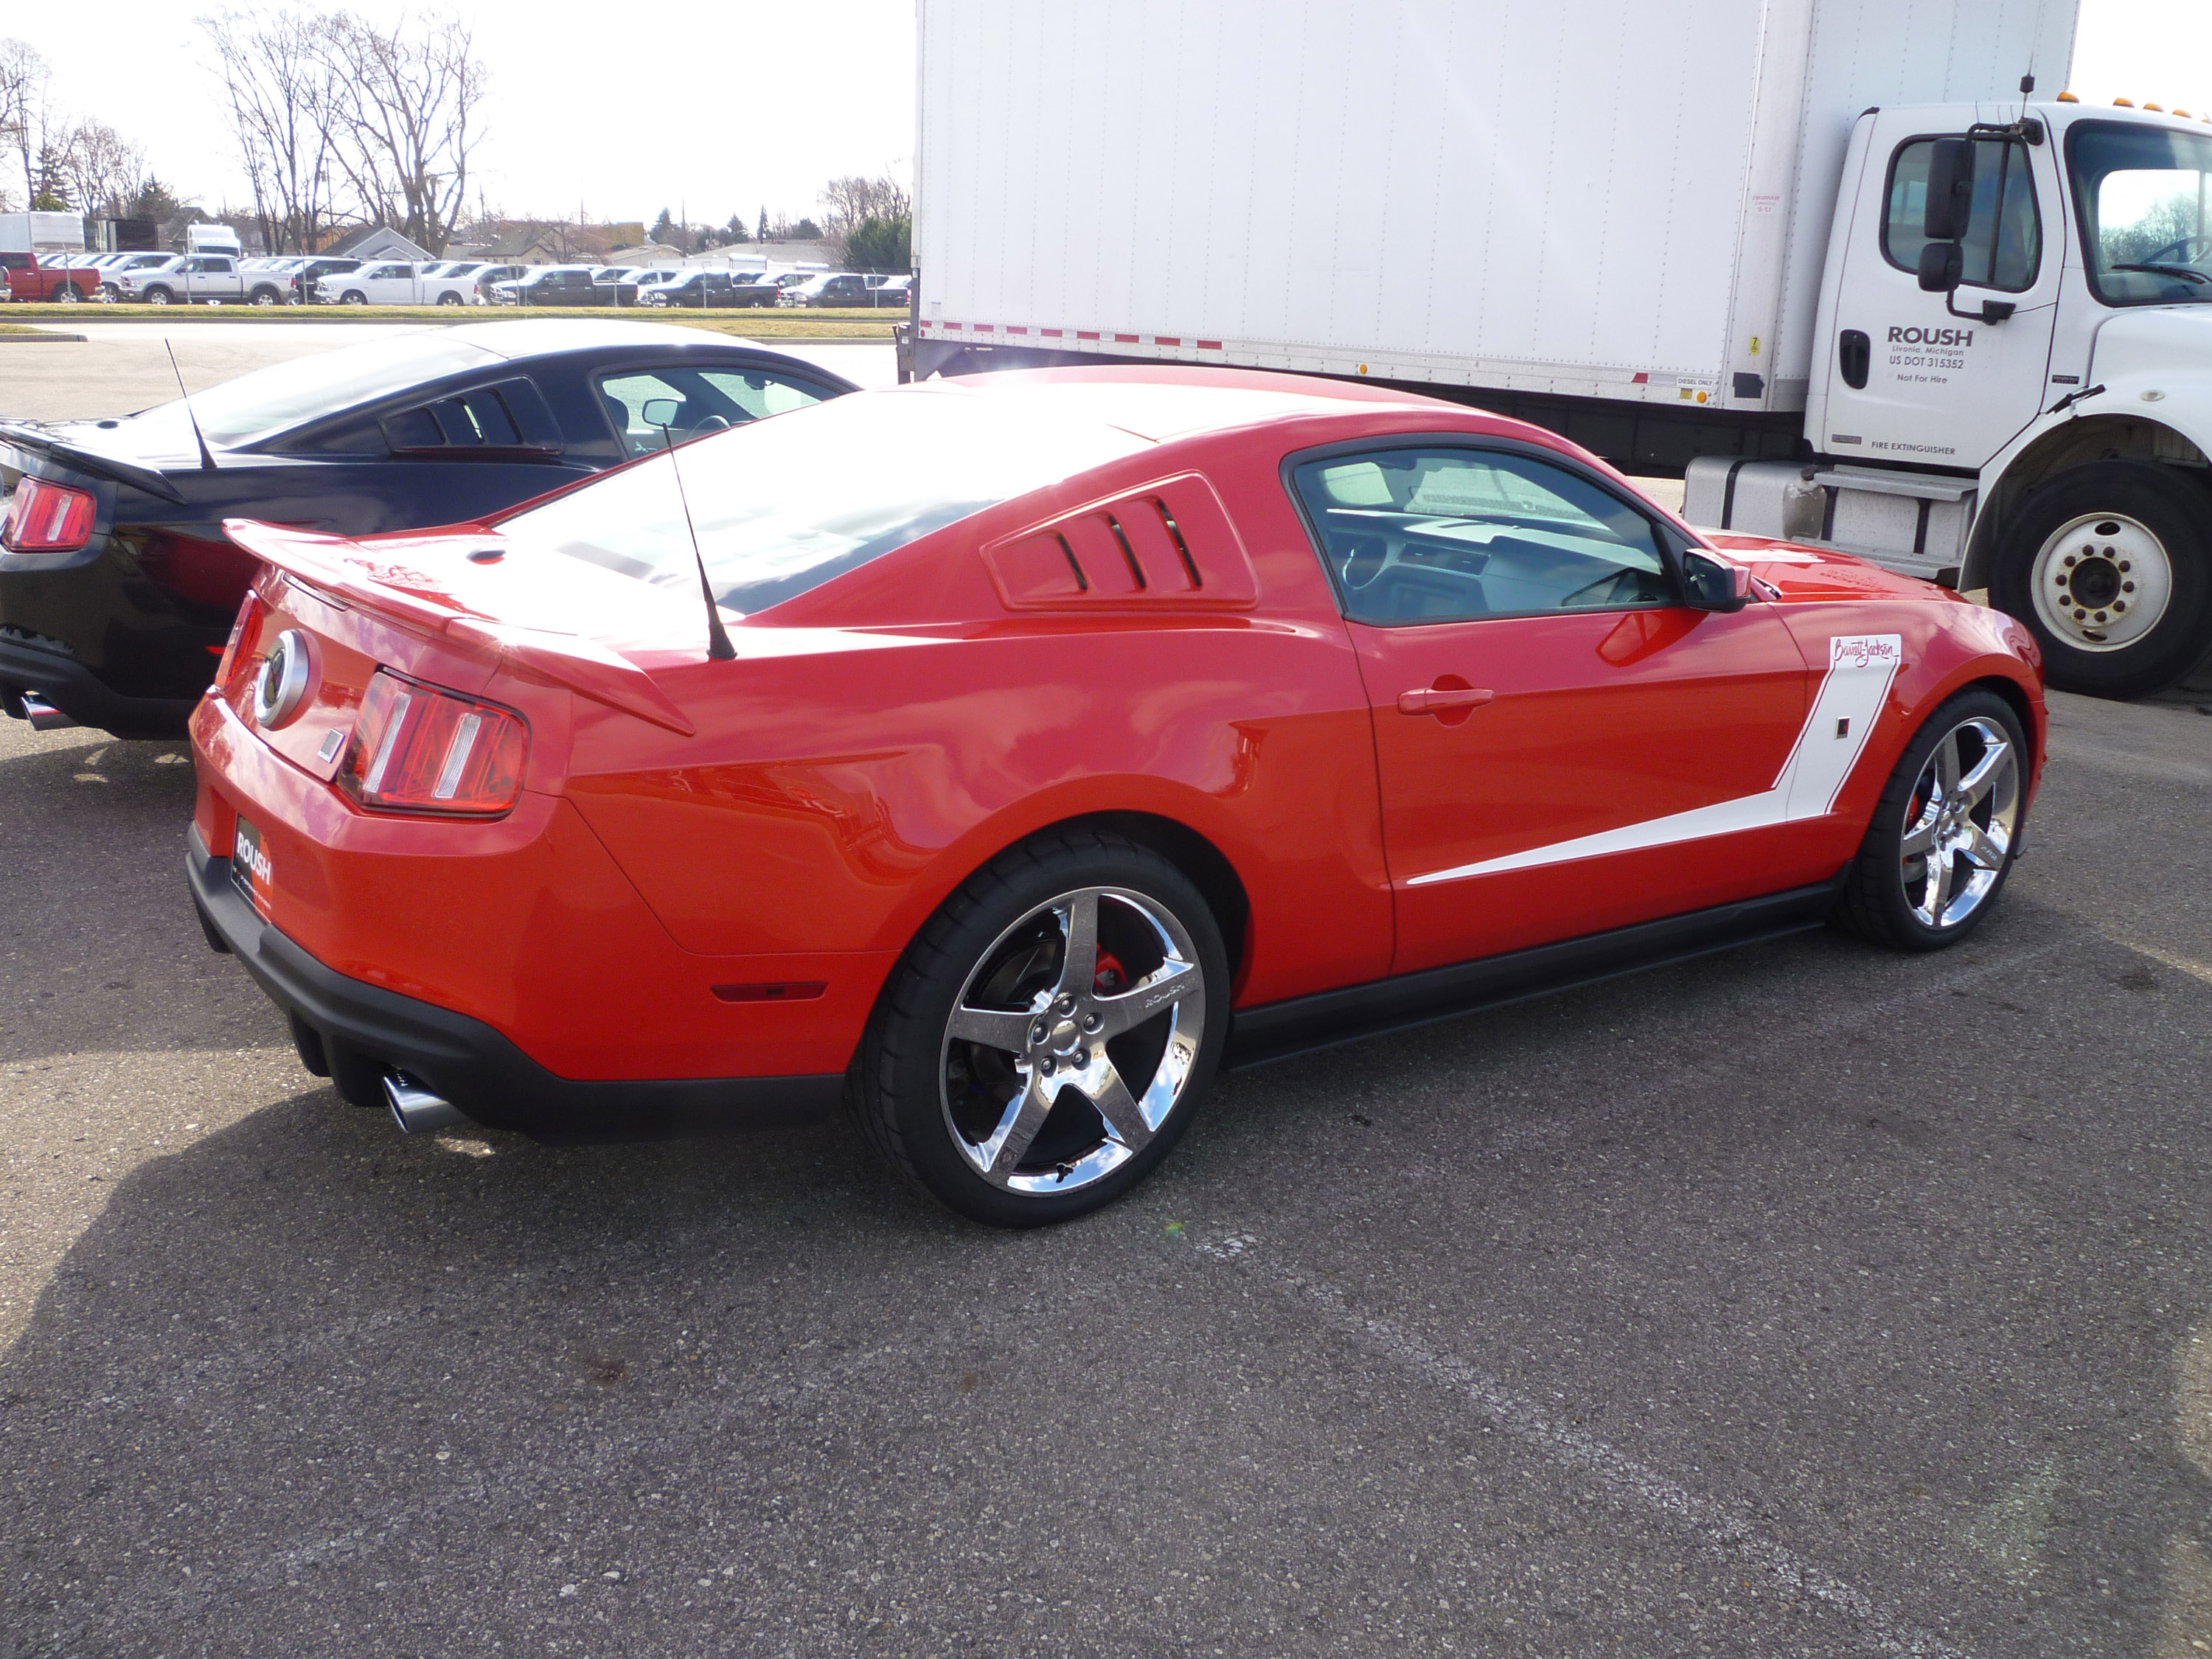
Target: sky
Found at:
x=749, y=107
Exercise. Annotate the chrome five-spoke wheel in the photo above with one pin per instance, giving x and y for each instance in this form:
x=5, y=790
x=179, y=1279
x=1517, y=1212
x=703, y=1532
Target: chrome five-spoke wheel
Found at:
x=1072, y=1040
x=1959, y=829
x=1945, y=830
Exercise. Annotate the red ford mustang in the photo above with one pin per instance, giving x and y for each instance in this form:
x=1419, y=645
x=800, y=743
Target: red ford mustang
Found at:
x=1049, y=741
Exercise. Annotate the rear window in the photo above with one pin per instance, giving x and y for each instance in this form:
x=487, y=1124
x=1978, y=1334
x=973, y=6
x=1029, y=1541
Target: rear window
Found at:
x=269, y=400
x=784, y=505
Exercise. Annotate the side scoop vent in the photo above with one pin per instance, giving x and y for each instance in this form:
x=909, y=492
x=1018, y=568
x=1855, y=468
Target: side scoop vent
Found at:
x=1170, y=544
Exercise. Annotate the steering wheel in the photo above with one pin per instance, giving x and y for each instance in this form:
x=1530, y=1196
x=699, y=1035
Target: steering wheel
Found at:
x=712, y=423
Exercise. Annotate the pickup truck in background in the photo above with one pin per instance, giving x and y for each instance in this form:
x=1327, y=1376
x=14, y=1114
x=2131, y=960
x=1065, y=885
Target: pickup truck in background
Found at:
x=64, y=281
x=198, y=279
x=395, y=282
x=553, y=285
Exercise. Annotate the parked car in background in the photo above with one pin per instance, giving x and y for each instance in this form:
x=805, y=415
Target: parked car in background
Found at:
x=117, y=584
x=55, y=280
x=701, y=288
x=753, y=288
x=393, y=282
x=830, y=288
x=198, y=279
x=627, y=281
x=893, y=291
x=552, y=285
x=299, y=282
x=924, y=811
x=107, y=288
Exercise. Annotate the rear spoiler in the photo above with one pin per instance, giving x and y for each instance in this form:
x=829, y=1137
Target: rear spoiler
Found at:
x=585, y=666
x=90, y=460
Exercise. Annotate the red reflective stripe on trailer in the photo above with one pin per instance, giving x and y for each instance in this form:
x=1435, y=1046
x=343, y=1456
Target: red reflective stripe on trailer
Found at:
x=1167, y=339
x=1209, y=345
x=1012, y=328
x=1086, y=333
x=1126, y=339
x=1049, y=333
x=1639, y=380
x=948, y=325
x=982, y=328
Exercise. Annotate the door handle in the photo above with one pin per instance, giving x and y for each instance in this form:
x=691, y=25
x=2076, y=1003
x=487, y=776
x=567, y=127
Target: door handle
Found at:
x=1435, y=699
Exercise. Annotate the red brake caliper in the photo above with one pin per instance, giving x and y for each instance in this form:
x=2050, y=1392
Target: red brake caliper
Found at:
x=1111, y=975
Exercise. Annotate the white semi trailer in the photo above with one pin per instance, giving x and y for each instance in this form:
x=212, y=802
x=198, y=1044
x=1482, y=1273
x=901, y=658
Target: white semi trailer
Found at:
x=1838, y=261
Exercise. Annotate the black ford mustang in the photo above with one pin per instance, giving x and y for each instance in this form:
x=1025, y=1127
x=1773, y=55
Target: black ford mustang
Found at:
x=116, y=586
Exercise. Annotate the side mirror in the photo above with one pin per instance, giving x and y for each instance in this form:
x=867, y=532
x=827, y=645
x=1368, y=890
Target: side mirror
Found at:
x=1942, y=267
x=1709, y=585
x=661, y=411
x=1950, y=190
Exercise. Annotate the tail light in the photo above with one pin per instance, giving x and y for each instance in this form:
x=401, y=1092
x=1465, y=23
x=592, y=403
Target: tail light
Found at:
x=47, y=518
x=418, y=749
x=245, y=634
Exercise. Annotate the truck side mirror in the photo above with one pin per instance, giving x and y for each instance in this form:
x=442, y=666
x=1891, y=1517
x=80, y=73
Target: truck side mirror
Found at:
x=1942, y=266
x=1950, y=191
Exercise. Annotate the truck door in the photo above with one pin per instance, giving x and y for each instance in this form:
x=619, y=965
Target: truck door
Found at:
x=1910, y=378
x=1563, y=745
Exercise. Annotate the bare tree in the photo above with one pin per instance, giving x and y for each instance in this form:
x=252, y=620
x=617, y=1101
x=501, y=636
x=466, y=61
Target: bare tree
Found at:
x=26, y=115
x=283, y=99
x=102, y=169
x=405, y=119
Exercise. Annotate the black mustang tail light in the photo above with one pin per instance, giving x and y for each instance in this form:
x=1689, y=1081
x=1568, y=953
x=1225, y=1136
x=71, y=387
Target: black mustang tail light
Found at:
x=47, y=518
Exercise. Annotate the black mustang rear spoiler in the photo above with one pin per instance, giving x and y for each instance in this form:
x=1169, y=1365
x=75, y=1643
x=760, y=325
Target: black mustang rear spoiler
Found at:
x=91, y=460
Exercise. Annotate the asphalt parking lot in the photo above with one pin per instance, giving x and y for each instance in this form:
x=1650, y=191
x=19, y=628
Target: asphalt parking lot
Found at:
x=1809, y=1300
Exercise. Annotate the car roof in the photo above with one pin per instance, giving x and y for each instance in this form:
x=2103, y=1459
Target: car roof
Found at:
x=1172, y=401
x=539, y=336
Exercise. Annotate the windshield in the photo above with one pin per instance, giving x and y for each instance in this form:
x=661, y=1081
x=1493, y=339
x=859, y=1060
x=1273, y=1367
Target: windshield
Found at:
x=270, y=399
x=785, y=504
x=2143, y=195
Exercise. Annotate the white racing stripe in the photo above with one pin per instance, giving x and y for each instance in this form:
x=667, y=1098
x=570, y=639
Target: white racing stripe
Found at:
x=1852, y=692
x=1724, y=1529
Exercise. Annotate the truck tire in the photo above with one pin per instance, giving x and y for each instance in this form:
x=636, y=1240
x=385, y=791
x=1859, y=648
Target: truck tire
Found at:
x=449, y=298
x=158, y=296
x=353, y=296
x=2110, y=566
x=264, y=297
x=67, y=294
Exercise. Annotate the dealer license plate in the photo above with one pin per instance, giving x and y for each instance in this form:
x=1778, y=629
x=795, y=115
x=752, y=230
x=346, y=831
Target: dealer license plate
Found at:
x=250, y=868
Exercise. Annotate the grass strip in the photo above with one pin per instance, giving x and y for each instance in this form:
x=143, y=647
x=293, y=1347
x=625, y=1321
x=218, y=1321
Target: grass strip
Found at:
x=777, y=323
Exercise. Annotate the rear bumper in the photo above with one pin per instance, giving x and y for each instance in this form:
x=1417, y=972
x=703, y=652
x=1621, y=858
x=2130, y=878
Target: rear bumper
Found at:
x=361, y=1031
x=86, y=698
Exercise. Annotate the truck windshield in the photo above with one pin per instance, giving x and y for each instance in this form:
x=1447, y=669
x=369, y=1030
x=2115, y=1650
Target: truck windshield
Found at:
x=783, y=505
x=2145, y=197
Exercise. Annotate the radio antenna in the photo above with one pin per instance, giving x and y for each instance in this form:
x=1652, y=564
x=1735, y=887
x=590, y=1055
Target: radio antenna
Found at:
x=718, y=637
x=206, y=456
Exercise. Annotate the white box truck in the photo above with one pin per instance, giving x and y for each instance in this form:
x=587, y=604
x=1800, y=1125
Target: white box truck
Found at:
x=1829, y=260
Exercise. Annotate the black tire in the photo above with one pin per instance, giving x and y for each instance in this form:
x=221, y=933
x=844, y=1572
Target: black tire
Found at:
x=353, y=296
x=1875, y=904
x=897, y=1090
x=157, y=296
x=449, y=298
x=2174, y=508
x=264, y=295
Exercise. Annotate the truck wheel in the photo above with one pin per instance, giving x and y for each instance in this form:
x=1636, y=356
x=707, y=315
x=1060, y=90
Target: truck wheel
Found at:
x=1048, y=1036
x=157, y=296
x=353, y=296
x=264, y=297
x=2110, y=565
x=449, y=298
x=67, y=293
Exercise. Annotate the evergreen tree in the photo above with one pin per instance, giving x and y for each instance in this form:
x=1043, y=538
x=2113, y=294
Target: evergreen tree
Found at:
x=663, y=229
x=763, y=226
x=735, y=231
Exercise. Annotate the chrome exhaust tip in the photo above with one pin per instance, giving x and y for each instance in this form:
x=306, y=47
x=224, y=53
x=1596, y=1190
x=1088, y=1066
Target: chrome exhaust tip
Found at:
x=42, y=715
x=416, y=1110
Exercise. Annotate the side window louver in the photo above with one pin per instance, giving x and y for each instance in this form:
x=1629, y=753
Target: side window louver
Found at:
x=1170, y=544
x=506, y=421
